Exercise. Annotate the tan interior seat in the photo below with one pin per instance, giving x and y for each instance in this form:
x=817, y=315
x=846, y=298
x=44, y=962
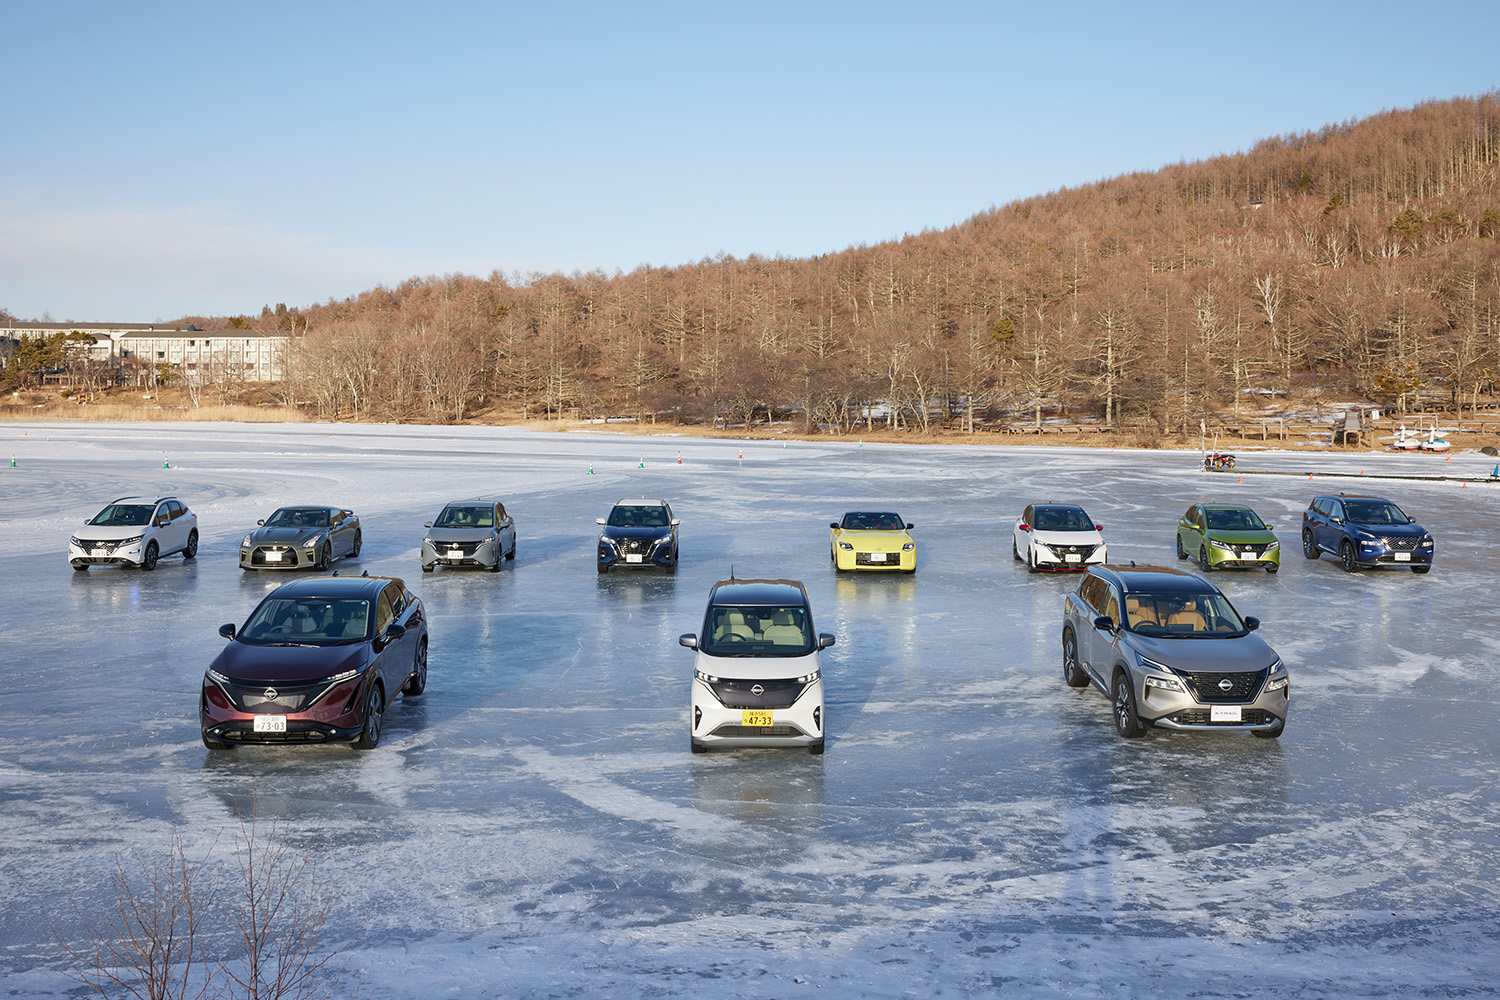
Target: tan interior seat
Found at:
x=783, y=630
x=1140, y=612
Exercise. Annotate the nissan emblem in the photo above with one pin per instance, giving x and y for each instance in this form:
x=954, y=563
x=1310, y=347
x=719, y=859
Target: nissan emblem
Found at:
x=1226, y=685
x=269, y=694
x=757, y=690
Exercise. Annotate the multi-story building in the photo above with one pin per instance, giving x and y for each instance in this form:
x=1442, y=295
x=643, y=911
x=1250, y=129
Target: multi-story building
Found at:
x=142, y=350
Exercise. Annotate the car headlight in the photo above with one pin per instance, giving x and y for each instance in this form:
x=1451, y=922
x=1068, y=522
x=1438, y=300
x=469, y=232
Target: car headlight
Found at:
x=129, y=541
x=77, y=542
x=705, y=678
x=1165, y=683
x=908, y=546
x=312, y=542
x=1273, y=545
x=1426, y=539
x=247, y=542
x=846, y=546
x=1277, y=683
x=217, y=677
x=808, y=678
x=347, y=675
x=1219, y=545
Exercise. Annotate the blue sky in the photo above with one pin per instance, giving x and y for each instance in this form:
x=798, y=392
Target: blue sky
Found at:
x=175, y=159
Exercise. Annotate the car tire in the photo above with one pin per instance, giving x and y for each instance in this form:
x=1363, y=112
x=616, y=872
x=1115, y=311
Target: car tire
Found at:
x=1420, y=569
x=148, y=559
x=697, y=747
x=1273, y=567
x=192, y=546
x=426, y=568
x=816, y=749
x=325, y=556
x=1346, y=556
x=80, y=567
x=494, y=567
x=1030, y=560
x=214, y=744
x=1127, y=723
x=417, y=682
x=512, y=553
x=1270, y=734
x=1181, y=552
x=369, y=736
x=1015, y=553
x=603, y=568
x=1203, y=563
x=359, y=541
x=1309, y=547
x=671, y=568
x=1073, y=674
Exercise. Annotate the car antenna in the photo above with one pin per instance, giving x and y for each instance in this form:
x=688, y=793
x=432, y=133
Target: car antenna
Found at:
x=335, y=572
x=731, y=571
x=365, y=573
x=1132, y=564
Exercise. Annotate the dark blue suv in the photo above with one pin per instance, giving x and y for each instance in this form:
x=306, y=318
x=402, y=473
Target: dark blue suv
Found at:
x=1364, y=531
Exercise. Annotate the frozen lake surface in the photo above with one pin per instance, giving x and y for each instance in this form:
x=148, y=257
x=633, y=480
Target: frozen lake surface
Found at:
x=534, y=825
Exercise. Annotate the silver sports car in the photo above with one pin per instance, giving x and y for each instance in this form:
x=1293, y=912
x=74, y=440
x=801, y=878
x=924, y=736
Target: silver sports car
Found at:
x=301, y=538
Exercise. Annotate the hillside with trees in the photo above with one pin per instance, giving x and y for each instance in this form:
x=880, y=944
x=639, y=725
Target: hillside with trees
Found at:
x=1361, y=259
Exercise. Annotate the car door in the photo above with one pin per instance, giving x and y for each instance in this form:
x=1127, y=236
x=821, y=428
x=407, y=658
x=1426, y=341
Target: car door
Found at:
x=388, y=659
x=1106, y=649
x=163, y=531
x=1021, y=532
x=672, y=526
x=505, y=530
x=1330, y=530
x=1092, y=597
x=340, y=531
x=1187, y=525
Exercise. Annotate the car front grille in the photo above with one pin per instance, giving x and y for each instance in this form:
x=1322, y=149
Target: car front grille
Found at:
x=1405, y=544
x=1200, y=717
x=1083, y=551
x=288, y=556
x=465, y=549
x=774, y=694
x=288, y=700
x=1205, y=685
x=290, y=736
x=1248, y=551
x=634, y=546
x=732, y=730
x=889, y=559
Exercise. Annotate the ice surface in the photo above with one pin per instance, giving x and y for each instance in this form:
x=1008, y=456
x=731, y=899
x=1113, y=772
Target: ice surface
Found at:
x=534, y=825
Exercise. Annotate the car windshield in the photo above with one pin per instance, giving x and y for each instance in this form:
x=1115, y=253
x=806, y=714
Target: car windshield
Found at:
x=757, y=630
x=1233, y=520
x=872, y=521
x=1061, y=519
x=1377, y=512
x=638, y=516
x=320, y=621
x=466, y=516
x=299, y=517
x=1182, y=615
x=121, y=515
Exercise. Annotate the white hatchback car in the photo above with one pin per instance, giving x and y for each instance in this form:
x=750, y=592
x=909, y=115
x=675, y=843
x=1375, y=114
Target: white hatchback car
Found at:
x=1057, y=536
x=757, y=678
x=135, y=531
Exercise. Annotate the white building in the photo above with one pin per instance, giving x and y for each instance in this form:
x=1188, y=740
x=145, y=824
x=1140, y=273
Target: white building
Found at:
x=198, y=355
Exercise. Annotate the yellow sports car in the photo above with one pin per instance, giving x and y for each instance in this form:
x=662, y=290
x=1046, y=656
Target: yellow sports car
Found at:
x=866, y=539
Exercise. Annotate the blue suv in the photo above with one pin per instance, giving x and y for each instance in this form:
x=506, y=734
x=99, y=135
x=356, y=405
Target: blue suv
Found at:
x=1364, y=531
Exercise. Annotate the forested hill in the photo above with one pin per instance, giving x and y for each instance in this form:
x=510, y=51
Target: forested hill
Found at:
x=1362, y=258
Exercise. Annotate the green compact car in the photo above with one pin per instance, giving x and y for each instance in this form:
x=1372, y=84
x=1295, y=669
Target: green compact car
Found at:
x=1221, y=535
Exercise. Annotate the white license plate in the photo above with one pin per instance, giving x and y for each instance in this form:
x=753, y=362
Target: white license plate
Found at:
x=1072, y=557
x=455, y=554
x=1224, y=713
x=633, y=559
x=877, y=557
x=1403, y=556
x=270, y=723
x=273, y=557
x=100, y=554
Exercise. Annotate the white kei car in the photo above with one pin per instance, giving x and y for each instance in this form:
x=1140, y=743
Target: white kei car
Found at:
x=135, y=531
x=1057, y=536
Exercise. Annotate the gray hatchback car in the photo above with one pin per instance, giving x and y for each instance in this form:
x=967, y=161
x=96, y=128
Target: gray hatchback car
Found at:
x=1169, y=650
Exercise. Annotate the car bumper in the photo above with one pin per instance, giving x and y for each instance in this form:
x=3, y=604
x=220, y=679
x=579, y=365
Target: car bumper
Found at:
x=487, y=556
x=1369, y=559
x=332, y=720
x=861, y=561
x=716, y=725
x=129, y=556
x=265, y=557
x=1221, y=559
x=660, y=559
x=1178, y=710
x=1048, y=561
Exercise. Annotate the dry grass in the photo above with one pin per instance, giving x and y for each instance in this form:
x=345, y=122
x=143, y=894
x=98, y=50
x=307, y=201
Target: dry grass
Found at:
x=125, y=412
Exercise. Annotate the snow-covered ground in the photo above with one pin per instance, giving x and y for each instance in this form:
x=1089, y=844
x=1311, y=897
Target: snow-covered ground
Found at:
x=534, y=825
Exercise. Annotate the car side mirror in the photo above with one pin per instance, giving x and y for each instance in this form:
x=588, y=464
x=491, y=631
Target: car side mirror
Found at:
x=227, y=631
x=1098, y=527
x=261, y=522
x=1024, y=526
x=909, y=526
x=675, y=522
x=161, y=521
x=689, y=640
x=826, y=639
x=394, y=631
x=598, y=520
x=1251, y=624
x=833, y=524
x=1105, y=622
x=1336, y=520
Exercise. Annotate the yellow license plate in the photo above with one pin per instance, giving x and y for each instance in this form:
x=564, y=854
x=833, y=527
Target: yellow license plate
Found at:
x=755, y=718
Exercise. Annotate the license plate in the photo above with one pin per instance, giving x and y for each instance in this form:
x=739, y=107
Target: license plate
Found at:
x=100, y=554
x=1072, y=557
x=270, y=723
x=273, y=557
x=633, y=559
x=877, y=557
x=1224, y=713
x=455, y=554
x=1403, y=556
x=755, y=718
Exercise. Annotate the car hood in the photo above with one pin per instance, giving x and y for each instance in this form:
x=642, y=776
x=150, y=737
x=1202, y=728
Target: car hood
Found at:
x=1390, y=530
x=285, y=536
x=757, y=668
x=244, y=663
x=1067, y=537
x=1230, y=654
x=875, y=541
x=610, y=531
x=110, y=532
x=1251, y=537
x=459, y=534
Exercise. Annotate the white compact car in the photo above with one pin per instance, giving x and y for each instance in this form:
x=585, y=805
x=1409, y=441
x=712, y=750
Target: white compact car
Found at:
x=135, y=531
x=757, y=679
x=1057, y=536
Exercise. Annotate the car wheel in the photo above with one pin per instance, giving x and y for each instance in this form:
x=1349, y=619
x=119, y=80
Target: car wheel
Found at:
x=671, y=568
x=192, y=546
x=80, y=567
x=1030, y=560
x=325, y=556
x=1073, y=674
x=603, y=568
x=1309, y=547
x=1127, y=723
x=369, y=737
x=1015, y=553
x=1203, y=562
x=1181, y=552
x=512, y=553
x=426, y=568
x=417, y=682
x=1273, y=567
x=1420, y=569
x=494, y=567
x=816, y=749
x=1346, y=554
x=148, y=561
x=1270, y=734
x=214, y=744
x=697, y=747
x=359, y=540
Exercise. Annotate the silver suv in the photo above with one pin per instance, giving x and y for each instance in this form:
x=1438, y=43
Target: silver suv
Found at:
x=135, y=531
x=1169, y=650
